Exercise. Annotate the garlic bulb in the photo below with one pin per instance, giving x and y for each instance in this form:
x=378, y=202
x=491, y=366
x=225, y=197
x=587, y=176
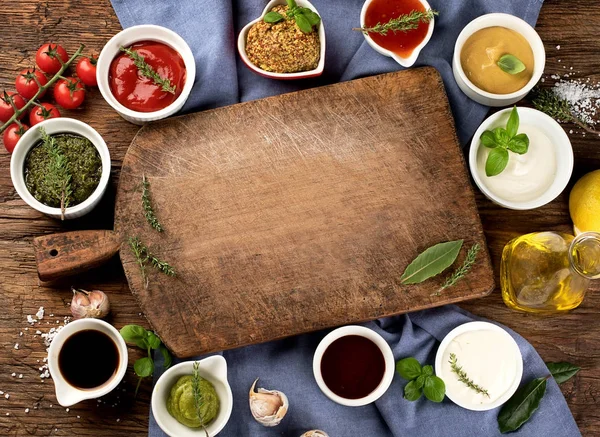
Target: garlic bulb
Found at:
x=268, y=406
x=315, y=433
x=89, y=304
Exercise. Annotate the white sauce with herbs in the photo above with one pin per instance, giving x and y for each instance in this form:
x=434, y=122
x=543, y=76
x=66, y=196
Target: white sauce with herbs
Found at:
x=489, y=358
x=526, y=177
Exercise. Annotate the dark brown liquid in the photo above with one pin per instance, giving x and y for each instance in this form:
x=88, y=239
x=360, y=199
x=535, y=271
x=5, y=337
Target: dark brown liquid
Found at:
x=88, y=359
x=352, y=366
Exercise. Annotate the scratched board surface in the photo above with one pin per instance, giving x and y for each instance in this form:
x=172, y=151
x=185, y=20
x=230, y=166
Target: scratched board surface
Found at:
x=298, y=212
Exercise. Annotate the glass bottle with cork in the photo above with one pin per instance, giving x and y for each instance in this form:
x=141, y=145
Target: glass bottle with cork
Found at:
x=549, y=272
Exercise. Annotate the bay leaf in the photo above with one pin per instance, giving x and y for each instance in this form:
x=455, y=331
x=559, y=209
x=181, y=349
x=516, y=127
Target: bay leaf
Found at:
x=431, y=262
x=520, y=407
x=562, y=371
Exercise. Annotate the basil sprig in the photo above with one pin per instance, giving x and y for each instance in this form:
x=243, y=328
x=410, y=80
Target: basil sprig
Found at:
x=305, y=18
x=422, y=381
x=501, y=140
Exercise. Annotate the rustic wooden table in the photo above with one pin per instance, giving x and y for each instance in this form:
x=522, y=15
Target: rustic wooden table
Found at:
x=575, y=337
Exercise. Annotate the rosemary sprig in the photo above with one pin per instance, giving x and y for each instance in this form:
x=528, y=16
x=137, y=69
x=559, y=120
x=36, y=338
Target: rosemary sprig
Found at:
x=147, y=205
x=403, y=23
x=59, y=176
x=464, y=378
x=462, y=271
x=148, y=71
x=198, y=396
x=548, y=101
x=143, y=256
x=41, y=89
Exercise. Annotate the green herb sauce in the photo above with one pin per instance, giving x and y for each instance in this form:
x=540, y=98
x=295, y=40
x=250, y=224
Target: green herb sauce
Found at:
x=181, y=404
x=84, y=164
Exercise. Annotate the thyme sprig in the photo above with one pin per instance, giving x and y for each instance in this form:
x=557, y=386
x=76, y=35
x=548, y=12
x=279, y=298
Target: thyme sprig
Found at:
x=58, y=177
x=403, y=23
x=464, y=378
x=143, y=256
x=462, y=271
x=548, y=101
x=148, y=71
x=198, y=395
x=147, y=205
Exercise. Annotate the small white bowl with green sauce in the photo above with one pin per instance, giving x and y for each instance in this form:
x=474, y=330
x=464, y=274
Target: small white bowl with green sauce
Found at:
x=31, y=138
x=214, y=370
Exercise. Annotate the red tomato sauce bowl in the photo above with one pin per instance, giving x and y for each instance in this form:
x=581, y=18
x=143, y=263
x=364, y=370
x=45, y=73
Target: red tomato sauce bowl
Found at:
x=135, y=96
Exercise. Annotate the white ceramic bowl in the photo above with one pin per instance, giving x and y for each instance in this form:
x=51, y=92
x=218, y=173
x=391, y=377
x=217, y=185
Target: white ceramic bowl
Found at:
x=241, y=45
x=66, y=394
x=510, y=22
x=32, y=137
x=388, y=356
x=213, y=369
x=405, y=62
x=479, y=326
x=556, y=134
x=129, y=36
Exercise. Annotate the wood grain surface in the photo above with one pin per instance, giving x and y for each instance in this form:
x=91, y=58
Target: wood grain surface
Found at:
x=575, y=337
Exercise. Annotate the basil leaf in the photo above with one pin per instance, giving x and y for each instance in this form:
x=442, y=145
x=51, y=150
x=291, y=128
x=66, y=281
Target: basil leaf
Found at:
x=427, y=370
x=420, y=381
x=303, y=23
x=132, y=333
x=562, y=371
x=501, y=136
x=153, y=340
x=496, y=161
x=312, y=17
x=510, y=64
x=167, y=358
x=434, y=389
x=408, y=368
x=144, y=367
x=513, y=123
x=272, y=17
x=519, y=408
x=519, y=144
x=432, y=261
x=412, y=392
x=488, y=139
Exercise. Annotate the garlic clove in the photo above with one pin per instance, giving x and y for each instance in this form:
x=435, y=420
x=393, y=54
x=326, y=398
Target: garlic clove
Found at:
x=315, y=433
x=268, y=407
x=89, y=304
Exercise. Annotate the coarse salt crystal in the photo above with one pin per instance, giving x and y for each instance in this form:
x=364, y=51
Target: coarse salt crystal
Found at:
x=20, y=376
x=26, y=410
x=13, y=374
x=40, y=313
x=21, y=334
x=6, y=395
x=17, y=346
x=558, y=48
x=30, y=320
x=67, y=410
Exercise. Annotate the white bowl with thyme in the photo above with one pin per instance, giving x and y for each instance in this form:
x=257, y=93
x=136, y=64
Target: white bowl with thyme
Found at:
x=54, y=128
x=521, y=164
x=212, y=370
x=481, y=365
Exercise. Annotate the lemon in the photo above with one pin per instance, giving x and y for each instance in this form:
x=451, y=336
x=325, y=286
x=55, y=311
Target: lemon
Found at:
x=584, y=203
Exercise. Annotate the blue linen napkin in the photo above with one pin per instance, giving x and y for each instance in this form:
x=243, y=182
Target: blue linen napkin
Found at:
x=211, y=28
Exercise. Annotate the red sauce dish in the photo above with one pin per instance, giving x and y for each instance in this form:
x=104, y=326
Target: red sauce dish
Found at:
x=139, y=93
x=400, y=43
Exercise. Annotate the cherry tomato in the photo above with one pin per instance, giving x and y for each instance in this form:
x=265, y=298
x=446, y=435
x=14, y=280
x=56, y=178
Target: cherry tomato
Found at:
x=26, y=84
x=69, y=93
x=6, y=109
x=43, y=112
x=47, y=58
x=86, y=70
x=12, y=135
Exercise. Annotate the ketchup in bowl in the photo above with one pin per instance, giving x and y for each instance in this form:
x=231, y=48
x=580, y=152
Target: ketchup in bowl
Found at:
x=140, y=93
x=401, y=43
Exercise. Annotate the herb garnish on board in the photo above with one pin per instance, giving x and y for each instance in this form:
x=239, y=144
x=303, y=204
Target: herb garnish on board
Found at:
x=147, y=205
x=143, y=256
x=305, y=18
x=147, y=70
x=403, y=23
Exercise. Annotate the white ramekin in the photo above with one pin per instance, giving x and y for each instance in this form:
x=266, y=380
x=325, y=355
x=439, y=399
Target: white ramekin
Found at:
x=214, y=370
x=241, y=45
x=32, y=137
x=479, y=326
x=556, y=134
x=510, y=22
x=405, y=62
x=388, y=356
x=66, y=394
x=129, y=36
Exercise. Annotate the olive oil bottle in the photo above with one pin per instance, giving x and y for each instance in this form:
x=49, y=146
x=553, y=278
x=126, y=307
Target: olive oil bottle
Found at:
x=549, y=272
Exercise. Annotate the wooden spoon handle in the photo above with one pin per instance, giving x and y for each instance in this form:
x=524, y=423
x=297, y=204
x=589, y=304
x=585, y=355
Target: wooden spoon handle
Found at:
x=68, y=253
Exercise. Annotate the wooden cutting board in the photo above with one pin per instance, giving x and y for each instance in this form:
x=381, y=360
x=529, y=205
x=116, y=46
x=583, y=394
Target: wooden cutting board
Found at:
x=290, y=214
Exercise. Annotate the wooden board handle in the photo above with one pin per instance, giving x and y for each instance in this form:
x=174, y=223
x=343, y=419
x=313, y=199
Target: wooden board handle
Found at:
x=69, y=253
